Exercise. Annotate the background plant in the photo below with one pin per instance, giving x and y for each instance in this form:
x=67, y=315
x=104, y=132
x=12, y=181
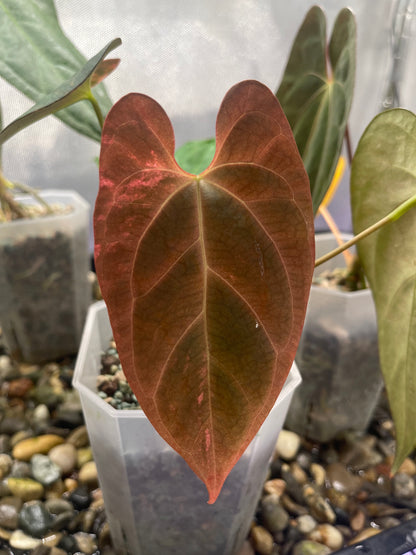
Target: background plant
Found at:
x=316, y=94
x=36, y=57
x=76, y=88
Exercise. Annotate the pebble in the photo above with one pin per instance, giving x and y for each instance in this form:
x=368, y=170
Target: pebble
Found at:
x=366, y=533
x=5, y=534
x=4, y=443
x=44, y=470
x=341, y=479
x=35, y=519
x=20, y=540
x=86, y=543
x=262, y=540
x=298, y=473
x=25, y=488
x=308, y=547
x=408, y=466
x=41, y=414
x=21, y=469
x=292, y=507
x=57, y=506
x=328, y=535
x=360, y=453
x=19, y=387
x=20, y=435
x=80, y=498
x=276, y=486
x=9, y=514
x=306, y=523
x=25, y=449
x=5, y=465
x=386, y=522
x=287, y=445
x=65, y=457
x=52, y=539
x=84, y=455
x=8, y=370
x=358, y=519
x=88, y=474
x=68, y=544
x=403, y=486
x=274, y=516
x=319, y=507
x=318, y=473
x=79, y=437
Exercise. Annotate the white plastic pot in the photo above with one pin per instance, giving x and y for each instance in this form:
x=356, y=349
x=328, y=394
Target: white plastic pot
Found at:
x=154, y=503
x=44, y=290
x=337, y=358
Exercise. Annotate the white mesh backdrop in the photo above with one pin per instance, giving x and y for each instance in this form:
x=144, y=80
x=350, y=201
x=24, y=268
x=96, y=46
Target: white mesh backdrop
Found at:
x=187, y=54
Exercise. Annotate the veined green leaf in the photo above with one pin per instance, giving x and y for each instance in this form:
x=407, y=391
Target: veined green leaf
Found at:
x=195, y=156
x=317, y=100
x=74, y=89
x=383, y=176
x=36, y=57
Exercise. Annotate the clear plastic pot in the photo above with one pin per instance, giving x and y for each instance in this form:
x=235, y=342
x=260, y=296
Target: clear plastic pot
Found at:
x=337, y=358
x=44, y=289
x=154, y=502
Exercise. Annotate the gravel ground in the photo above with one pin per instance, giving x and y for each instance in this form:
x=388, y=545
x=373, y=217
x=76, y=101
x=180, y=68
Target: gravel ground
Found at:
x=317, y=498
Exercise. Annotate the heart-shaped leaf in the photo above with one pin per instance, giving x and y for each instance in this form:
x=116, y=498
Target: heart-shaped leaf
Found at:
x=383, y=176
x=36, y=57
x=316, y=94
x=78, y=87
x=206, y=278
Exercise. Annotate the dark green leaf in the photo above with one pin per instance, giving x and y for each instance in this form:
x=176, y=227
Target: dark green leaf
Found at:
x=75, y=89
x=36, y=57
x=383, y=176
x=317, y=103
x=195, y=156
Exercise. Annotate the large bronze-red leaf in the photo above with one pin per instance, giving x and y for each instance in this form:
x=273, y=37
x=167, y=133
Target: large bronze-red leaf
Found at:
x=206, y=277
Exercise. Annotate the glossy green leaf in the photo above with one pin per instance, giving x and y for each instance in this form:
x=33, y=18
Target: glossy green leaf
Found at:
x=36, y=57
x=77, y=88
x=383, y=176
x=195, y=156
x=206, y=278
x=316, y=94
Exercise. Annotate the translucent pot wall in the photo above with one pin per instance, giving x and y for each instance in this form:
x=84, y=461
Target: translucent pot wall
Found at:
x=154, y=502
x=337, y=358
x=44, y=290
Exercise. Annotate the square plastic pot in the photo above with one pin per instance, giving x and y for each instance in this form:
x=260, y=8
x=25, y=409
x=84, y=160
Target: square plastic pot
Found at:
x=337, y=358
x=154, y=502
x=44, y=290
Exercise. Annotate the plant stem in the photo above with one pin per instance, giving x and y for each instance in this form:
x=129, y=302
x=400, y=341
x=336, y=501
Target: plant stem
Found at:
x=348, y=143
x=391, y=217
x=97, y=109
x=334, y=229
x=7, y=199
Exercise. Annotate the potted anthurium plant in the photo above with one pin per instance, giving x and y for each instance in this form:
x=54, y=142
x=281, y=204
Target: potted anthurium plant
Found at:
x=200, y=274
x=206, y=277
x=44, y=238
x=382, y=191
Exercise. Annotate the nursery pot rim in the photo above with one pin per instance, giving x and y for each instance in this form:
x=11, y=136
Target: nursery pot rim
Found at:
x=291, y=383
x=59, y=195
